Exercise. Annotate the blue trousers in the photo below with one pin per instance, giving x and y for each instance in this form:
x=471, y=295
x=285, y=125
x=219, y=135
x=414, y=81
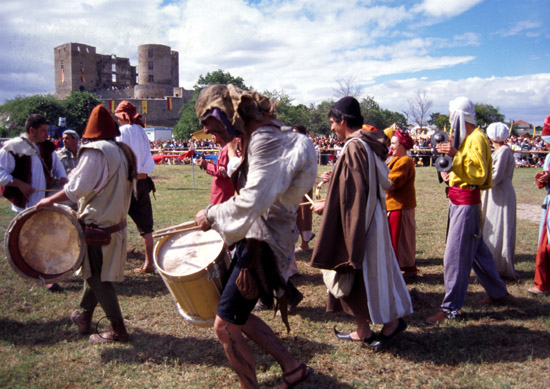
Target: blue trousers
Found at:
x=466, y=250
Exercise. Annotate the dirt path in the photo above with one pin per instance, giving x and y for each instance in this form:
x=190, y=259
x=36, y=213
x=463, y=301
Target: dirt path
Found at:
x=529, y=212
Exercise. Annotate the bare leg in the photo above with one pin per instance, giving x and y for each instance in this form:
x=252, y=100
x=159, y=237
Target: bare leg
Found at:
x=238, y=351
x=149, y=245
x=363, y=329
x=389, y=327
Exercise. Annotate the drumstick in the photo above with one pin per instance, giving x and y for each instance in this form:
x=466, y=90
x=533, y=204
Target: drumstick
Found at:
x=182, y=225
x=309, y=199
x=175, y=231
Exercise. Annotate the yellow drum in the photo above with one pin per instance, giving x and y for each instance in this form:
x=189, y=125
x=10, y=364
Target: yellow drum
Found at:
x=193, y=265
x=45, y=245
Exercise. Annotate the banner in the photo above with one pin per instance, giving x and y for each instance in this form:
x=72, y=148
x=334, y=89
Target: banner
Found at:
x=82, y=79
x=169, y=103
x=62, y=75
x=143, y=107
x=112, y=106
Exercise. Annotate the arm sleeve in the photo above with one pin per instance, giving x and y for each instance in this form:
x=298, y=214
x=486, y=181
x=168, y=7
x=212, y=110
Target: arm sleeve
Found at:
x=58, y=167
x=90, y=175
x=7, y=164
x=266, y=180
x=399, y=174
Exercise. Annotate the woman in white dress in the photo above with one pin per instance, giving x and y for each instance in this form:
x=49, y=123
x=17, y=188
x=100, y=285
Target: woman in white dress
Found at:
x=499, y=204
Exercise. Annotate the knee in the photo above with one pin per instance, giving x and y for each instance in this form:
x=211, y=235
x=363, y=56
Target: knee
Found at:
x=221, y=329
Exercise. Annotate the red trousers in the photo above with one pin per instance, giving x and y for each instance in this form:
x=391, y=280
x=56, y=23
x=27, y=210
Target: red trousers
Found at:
x=542, y=267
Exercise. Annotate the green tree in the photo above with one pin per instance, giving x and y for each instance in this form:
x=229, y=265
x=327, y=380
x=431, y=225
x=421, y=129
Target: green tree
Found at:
x=188, y=122
x=16, y=111
x=318, y=119
x=438, y=120
x=78, y=106
x=487, y=114
x=288, y=113
x=379, y=117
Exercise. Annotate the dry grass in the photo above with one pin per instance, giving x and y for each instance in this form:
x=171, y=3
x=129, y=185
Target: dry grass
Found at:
x=489, y=346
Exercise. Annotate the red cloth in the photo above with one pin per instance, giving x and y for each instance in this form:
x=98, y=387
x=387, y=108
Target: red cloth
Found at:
x=464, y=196
x=542, y=266
x=222, y=187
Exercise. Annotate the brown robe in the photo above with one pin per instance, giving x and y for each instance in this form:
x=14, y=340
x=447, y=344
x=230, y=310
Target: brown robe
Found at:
x=341, y=239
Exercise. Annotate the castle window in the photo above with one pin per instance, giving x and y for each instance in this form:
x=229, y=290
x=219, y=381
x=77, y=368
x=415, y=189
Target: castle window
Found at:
x=113, y=67
x=150, y=53
x=151, y=78
x=150, y=65
x=113, y=77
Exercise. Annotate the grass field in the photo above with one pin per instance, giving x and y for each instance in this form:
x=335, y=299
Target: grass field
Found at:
x=504, y=346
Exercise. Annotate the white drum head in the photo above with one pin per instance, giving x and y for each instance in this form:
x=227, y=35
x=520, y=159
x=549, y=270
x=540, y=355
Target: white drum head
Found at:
x=189, y=252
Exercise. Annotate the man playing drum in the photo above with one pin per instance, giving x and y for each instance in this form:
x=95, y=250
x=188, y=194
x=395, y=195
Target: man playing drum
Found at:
x=29, y=166
x=277, y=169
x=102, y=185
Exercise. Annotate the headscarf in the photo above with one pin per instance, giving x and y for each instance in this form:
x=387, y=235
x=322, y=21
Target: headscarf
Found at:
x=461, y=111
x=128, y=112
x=498, y=132
x=101, y=125
x=404, y=139
x=236, y=105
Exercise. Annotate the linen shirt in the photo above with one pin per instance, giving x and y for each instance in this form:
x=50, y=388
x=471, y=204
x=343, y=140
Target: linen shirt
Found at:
x=280, y=167
x=135, y=137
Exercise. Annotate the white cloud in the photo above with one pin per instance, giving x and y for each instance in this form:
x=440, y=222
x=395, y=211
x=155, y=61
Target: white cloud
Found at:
x=526, y=26
x=518, y=98
x=446, y=8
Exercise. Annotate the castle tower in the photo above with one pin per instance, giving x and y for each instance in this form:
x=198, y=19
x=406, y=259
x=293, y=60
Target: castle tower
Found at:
x=157, y=71
x=75, y=69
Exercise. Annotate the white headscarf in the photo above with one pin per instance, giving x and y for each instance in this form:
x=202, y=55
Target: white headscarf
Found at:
x=461, y=111
x=498, y=132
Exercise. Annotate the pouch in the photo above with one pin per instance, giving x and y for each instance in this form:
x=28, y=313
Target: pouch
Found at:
x=95, y=236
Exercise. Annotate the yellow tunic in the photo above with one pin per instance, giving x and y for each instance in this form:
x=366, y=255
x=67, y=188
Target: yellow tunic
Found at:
x=472, y=163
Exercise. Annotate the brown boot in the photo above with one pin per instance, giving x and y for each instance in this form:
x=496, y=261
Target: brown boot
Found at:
x=83, y=321
x=117, y=333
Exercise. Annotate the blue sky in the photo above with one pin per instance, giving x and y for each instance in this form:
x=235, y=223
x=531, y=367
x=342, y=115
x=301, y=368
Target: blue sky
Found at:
x=495, y=52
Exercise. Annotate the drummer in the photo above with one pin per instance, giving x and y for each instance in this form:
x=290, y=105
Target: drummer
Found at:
x=278, y=168
x=29, y=166
x=102, y=183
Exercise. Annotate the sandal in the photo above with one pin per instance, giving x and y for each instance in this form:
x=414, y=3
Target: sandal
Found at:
x=144, y=270
x=306, y=372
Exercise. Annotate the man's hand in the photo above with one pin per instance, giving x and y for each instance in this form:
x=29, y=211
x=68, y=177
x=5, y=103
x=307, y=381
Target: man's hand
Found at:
x=202, y=163
x=25, y=188
x=446, y=148
x=45, y=202
x=326, y=176
x=318, y=207
x=200, y=220
x=445, y=176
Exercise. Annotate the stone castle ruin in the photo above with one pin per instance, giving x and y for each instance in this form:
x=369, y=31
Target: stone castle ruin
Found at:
x=78, y=67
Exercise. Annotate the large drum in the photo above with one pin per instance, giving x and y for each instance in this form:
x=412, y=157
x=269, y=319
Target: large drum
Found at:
x=193, y=265
x=45, y=245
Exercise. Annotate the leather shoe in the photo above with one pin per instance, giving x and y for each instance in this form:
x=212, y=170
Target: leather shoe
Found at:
x=437, y=318
x=347, y=336
x=537, y=292
x=382, y=340
x=83, y=321
x=488, y=300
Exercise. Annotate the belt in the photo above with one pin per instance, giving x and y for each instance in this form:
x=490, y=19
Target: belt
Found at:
x=141, y=176
x=112, y=229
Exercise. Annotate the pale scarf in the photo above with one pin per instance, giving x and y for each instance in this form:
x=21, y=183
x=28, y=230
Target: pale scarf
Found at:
x=462, y=111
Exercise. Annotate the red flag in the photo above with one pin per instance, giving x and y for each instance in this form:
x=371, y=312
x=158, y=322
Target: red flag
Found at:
x=82, y=79
x=169, y=103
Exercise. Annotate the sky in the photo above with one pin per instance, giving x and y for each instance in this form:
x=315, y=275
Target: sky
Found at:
x=493, y=51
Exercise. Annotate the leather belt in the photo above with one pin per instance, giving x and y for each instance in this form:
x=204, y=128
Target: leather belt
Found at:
x=141, y=176
x=116, y=228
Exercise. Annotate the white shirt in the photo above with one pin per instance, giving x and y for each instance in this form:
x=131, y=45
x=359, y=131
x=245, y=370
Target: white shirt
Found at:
x=135, y=137
x=38, y=180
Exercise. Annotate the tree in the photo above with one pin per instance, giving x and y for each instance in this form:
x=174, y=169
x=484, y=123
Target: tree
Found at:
x=348, y=87
x=438, y=120
x=188, y=122
x=419, y=106
x=378, y=117
x=17, y=110
x=78, y=106
x=288, y=113
x=318, y=119
x=487, y=114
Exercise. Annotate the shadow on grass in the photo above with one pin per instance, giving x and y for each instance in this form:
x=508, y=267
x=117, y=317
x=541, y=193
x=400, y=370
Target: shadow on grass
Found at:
x=35, y=332
x=190, y=188
x=529, y=258
x=171, y=350
x=142, y=285
x=445, y=345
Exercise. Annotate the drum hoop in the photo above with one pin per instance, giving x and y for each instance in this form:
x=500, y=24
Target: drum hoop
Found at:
x=206, y=269
x=13, y=254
